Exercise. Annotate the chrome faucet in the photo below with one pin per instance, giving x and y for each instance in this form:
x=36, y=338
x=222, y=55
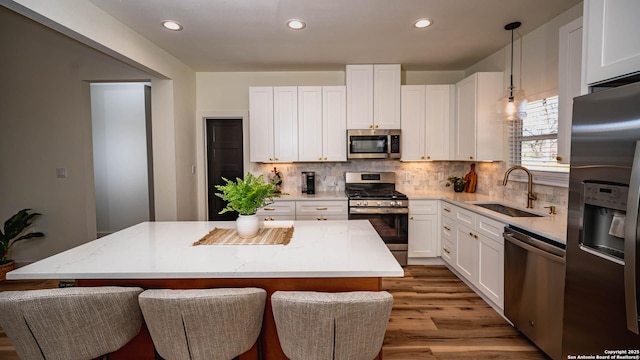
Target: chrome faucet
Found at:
x=530, y=195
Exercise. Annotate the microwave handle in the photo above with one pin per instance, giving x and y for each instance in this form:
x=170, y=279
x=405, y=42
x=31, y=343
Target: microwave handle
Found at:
x=389, y=144
x=631, y=244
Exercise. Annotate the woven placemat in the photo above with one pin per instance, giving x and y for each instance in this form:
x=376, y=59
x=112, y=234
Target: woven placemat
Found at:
x=266, y=236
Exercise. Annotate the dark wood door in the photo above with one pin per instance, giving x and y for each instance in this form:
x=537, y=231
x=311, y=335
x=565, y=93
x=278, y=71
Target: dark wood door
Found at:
x=224, y=159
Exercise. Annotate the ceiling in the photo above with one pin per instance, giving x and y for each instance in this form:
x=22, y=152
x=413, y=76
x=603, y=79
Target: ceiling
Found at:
x=250, y=35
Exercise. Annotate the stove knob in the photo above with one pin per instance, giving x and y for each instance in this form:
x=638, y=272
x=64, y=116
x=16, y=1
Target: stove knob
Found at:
x=392, y=203
x=398, y=203
x=379, y=203
x=357, y=203
x=366, y=203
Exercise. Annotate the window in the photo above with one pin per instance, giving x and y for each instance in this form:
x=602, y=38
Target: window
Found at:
x=534, y=141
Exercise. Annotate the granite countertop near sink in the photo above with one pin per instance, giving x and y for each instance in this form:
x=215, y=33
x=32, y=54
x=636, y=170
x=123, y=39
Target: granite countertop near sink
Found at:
x=318, y=196
x=553, y=227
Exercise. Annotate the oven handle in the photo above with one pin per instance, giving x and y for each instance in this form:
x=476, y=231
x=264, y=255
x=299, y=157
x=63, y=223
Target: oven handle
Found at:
x=377, y=210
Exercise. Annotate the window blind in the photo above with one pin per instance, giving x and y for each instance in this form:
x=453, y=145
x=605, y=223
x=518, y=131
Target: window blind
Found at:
x=534, y=140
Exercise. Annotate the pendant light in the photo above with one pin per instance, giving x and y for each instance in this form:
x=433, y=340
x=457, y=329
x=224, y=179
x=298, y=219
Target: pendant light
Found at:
x=513, y=105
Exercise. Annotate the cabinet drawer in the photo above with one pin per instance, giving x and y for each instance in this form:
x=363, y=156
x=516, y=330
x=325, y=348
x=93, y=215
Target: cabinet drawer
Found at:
x=491, y=229
x=281, y=209
x=321, y=217
x=464, y=217
x=321, y=208
x=448, y=252
x=447, y=209
x=447, y=229
x=423, y=207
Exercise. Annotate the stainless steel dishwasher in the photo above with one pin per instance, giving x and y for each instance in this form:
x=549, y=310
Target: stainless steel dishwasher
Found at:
x=534, y=272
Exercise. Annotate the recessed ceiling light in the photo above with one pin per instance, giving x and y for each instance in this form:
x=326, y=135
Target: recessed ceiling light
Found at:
x=296, y=24
x=171, y=25
x=423, y=23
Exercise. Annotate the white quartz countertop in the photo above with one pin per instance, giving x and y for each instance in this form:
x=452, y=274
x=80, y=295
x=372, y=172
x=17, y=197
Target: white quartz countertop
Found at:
x=553, y=227
x=318, y=196
x=163, y=250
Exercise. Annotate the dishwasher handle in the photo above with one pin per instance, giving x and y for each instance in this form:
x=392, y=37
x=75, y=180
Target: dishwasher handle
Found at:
x=535, y=246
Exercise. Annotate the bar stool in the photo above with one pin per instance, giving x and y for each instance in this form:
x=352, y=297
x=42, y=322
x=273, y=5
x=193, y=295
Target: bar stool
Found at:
x=70, y=323
x=203, y=323
x=339, y=326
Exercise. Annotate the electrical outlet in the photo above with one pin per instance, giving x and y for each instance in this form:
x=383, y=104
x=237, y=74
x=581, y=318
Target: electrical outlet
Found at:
x=440, y=176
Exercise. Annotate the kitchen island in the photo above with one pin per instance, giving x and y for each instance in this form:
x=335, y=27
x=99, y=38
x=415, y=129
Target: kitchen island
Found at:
x=322, y=256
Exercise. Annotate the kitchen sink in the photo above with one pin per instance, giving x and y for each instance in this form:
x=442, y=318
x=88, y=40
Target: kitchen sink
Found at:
x=506, y=210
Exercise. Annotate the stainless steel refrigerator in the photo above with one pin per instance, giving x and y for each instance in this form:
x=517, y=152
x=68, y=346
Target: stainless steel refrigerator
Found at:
x=601, y=289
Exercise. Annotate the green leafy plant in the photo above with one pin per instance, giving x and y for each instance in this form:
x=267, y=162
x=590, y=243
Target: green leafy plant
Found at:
x=12, y=230
x=454, y=180
x=247, y=195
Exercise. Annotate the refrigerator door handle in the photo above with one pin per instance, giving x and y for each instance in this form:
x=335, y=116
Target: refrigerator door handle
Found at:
x=631, y=243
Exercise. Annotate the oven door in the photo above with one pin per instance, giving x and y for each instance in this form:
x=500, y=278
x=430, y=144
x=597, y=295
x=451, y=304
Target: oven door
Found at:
x=393, y=229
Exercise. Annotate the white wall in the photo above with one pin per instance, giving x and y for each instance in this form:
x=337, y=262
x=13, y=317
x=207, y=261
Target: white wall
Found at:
x=173, y=91
x=45, y=117
x=119, y=155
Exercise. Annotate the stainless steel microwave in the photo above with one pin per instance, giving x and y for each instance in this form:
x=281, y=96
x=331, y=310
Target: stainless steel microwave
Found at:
x=373, y=144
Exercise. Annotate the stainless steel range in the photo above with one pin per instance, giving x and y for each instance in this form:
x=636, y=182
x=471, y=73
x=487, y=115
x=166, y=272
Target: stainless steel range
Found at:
x=373, y=196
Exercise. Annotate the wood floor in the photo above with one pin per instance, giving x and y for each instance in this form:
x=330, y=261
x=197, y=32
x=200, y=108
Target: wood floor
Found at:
x=435, y=316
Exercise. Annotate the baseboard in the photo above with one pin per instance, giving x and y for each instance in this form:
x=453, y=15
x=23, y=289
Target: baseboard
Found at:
x=425, y=261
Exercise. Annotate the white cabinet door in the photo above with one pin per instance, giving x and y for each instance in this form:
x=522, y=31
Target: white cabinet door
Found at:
x=569, y=83
x=261, y=124
x=386, y=96
x=611, y=39
x=310, y=123
x=359, y=79
x=491, y=269
x=413, y=112
x=478, y=133
x=423, y=236
x=466, y=253
x=334, y=123
x=439, y=118
x=465, y=129
x=285, y=123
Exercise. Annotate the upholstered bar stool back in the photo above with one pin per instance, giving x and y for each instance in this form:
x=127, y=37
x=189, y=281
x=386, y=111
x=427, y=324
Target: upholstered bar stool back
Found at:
x=331, y=326
x=203, y=323
x=70, y=323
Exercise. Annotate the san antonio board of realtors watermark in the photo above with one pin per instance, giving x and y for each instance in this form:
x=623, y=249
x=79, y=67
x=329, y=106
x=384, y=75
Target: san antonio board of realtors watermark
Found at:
x=633, y=354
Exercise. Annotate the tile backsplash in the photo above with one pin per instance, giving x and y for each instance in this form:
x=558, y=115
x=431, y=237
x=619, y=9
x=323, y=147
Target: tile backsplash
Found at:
x=420, y=176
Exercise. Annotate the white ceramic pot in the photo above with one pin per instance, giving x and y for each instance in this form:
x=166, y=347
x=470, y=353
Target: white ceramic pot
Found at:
x=247, y=226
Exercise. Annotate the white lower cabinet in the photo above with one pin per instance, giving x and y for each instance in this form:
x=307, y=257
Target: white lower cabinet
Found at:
x=279, y=210
x=475, y=249
x=424, y=241
x=321, y=210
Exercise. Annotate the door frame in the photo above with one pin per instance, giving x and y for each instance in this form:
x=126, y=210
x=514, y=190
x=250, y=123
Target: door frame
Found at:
x=201, y=155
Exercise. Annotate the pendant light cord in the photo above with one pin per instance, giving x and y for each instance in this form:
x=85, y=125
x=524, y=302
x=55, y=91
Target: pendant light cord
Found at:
x=511, y=76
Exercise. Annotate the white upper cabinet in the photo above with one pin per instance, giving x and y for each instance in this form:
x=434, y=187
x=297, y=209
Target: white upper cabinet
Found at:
x=569, y=83
x=334, y=123
x=427, y=116
x=310, y=123
x=322, y=125
x=273, y=126
x=373, y=96
x=478, y=134
x=611, y=39
x=261, y=124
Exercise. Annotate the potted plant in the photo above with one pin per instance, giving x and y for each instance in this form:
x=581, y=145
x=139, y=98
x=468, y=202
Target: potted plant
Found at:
x=246, y=196
x=457, y=182
x=13, y=228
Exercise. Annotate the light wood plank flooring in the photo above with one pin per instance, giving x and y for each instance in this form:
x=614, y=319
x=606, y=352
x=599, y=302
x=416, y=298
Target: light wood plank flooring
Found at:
x=435, y=316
